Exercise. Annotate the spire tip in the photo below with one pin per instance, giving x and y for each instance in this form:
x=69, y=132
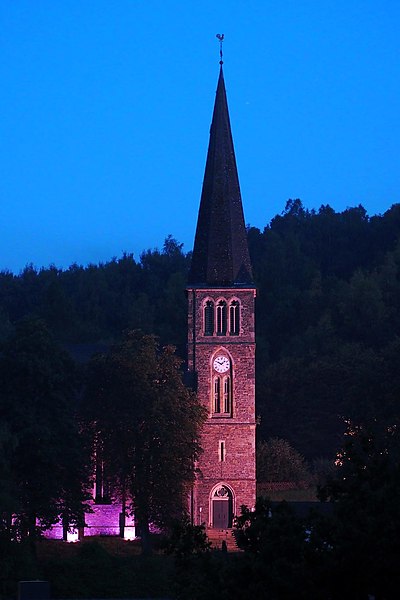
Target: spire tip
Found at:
x=220, y=36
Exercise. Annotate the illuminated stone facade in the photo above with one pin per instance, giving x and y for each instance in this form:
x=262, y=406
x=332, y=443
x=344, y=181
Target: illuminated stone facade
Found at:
x=228, y=437
x=103, y=520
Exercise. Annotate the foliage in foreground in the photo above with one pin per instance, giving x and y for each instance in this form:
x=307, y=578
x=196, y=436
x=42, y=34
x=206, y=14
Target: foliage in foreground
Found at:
x=344, y=549
x=186, y=539
x=144, y=426
x=94, y=571
x=43, y=474
x=346, y=553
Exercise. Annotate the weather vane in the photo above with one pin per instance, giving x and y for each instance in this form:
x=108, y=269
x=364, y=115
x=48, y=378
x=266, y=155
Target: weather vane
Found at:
x=220, y=36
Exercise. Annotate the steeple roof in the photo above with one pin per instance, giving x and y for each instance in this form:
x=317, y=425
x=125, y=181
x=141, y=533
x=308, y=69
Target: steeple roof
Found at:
x=220, y=254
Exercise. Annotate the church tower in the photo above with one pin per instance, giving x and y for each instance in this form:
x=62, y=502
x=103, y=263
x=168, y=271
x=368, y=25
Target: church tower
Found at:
x=221, y=335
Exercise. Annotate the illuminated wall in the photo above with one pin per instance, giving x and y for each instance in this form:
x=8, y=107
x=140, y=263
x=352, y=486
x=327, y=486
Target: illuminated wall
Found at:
x=103, y=521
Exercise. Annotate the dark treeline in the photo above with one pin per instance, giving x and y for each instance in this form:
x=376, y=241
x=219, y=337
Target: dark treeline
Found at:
x=327, y=322
x=328, y=316
x=94, y=304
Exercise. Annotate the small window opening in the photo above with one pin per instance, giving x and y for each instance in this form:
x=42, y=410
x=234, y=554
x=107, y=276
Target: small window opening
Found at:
x=217, y=395
x=209, y=318
x=227, y=394
x=102, y=494
x=222, y=451
x=221, y=317
x=234, y=318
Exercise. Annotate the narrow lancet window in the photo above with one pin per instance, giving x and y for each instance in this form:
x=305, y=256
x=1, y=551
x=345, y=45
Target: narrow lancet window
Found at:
x=227, y=395
x=217, y=395
x=221, y=451
x=102, y=489
x=221, y=317
x=209, y=318
x=234, y=318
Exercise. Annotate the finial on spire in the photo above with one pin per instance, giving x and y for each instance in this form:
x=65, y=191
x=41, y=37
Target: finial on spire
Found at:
x=220, y=36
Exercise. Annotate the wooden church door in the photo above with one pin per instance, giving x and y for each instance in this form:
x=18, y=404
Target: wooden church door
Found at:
x=222, y=508
x=220, y=514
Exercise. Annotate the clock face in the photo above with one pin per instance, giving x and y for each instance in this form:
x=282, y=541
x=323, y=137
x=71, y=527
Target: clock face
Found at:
x=221, y=364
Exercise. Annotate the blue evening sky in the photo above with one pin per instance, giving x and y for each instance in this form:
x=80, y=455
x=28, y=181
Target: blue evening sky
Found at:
x=105, y=108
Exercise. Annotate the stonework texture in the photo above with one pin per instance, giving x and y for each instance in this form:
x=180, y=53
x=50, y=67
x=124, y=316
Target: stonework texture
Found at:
x=233, y=466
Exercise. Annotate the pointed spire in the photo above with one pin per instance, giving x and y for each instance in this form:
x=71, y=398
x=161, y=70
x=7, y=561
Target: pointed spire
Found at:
x=220, y=254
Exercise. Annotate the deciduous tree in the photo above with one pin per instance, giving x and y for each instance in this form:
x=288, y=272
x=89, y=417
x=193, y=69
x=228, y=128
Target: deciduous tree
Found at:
x=145, y=423
x=278, y=461
x=42, y=460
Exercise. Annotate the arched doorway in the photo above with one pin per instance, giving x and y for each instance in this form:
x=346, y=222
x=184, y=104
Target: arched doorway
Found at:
x=222, y=507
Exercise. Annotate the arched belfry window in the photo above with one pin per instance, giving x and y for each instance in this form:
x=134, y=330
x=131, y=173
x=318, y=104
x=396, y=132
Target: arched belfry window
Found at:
x=209, y=318
x=234, y=318
x=221, y=317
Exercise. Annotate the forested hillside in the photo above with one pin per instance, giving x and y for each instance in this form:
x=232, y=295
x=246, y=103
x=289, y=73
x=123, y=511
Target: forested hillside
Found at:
x=328, y=323
x=328, y=318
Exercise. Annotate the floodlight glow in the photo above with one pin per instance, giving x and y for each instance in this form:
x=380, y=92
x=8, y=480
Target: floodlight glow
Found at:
x=73, y=536
x=129, y=533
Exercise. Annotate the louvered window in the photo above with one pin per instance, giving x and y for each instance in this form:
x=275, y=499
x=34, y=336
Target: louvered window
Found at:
x=221, y=317
x=234, y=318
x=209, y=318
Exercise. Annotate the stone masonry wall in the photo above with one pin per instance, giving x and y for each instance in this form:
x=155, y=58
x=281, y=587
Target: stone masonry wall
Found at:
x=237, y=470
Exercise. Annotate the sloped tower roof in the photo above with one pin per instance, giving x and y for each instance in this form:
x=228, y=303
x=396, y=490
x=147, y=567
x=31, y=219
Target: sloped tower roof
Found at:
x=220, y=254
